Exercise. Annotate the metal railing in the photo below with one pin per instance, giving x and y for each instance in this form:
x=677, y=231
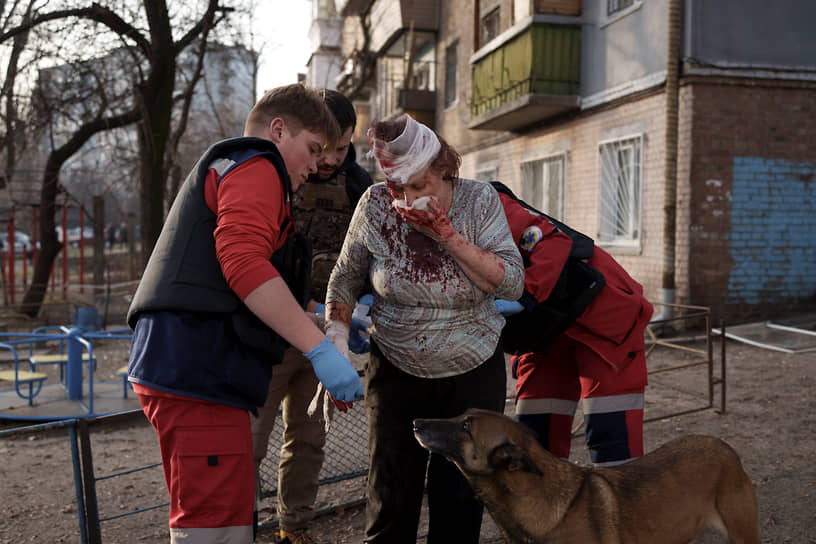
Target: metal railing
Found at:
x=347, y=441
x=682, y=318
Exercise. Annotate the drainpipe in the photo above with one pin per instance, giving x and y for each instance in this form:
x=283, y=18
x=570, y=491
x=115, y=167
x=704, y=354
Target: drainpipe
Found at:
x=670, y=166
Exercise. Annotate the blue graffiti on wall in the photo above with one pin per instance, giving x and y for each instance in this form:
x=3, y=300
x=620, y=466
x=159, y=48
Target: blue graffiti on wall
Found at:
x=773, y=230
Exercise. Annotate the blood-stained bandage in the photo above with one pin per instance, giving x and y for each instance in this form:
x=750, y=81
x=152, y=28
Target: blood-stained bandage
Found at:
x=422, y=204
x=408, y=154
x=530, y=237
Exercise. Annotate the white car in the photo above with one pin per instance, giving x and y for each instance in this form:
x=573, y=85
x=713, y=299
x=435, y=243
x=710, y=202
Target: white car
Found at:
x=22, y=242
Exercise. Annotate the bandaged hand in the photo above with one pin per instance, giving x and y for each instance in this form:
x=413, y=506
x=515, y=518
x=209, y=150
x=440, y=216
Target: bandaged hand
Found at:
x=338, y=333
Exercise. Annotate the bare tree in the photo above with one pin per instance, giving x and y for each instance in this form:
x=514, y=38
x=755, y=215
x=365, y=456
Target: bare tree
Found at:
x=10, y=140
x=361, y=58
x=148, y=37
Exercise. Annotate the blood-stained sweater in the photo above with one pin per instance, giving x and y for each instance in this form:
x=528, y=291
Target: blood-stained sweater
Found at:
x=430, y=320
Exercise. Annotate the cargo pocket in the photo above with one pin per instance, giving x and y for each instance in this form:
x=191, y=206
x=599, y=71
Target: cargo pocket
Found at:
x=214, y=469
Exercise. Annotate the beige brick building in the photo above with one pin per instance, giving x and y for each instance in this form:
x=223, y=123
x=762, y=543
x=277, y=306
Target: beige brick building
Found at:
x=614, y=116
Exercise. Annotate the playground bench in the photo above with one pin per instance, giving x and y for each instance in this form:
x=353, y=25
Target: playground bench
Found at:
x=60, y=359
x=20, y=377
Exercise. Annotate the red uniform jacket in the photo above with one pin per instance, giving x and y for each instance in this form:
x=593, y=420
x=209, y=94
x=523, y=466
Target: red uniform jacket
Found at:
x=613, y=323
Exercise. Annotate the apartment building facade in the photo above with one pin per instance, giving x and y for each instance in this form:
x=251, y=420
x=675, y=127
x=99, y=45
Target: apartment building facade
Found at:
x=678, y=134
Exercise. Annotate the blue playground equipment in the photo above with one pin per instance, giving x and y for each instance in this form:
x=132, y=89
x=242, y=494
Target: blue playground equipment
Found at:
x=25, y=390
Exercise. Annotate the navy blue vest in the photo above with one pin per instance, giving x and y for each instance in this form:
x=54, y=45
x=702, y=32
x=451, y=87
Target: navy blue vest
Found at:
x=193, y=336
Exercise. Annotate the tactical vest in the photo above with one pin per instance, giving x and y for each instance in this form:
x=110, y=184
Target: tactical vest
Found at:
x=323, y=211
x=183, y=273
x=578, y=284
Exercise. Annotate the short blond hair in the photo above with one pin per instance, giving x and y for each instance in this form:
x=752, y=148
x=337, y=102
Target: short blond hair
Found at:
x=299, y=106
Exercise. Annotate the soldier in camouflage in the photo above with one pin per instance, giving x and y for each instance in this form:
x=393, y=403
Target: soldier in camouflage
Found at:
x=323, y=207
x=322, y=210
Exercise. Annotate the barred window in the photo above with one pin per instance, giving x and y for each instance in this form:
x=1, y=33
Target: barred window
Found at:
x=620, y=191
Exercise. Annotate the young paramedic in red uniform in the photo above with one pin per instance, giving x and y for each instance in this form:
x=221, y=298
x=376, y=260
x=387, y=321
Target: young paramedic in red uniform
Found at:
x=221, y=297
x=577, y=332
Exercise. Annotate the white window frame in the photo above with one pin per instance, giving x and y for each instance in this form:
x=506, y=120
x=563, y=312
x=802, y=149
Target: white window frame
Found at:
x=613, y=7
x=609, y=18
x=621, y=174
x=540, y=198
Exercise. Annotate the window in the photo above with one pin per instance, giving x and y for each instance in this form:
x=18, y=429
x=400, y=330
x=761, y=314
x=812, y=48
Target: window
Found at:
x=620, y=191
x=489, y=26
x=543, y=184
x=421, y=79
x=488, y=171
x=451, y=60
x=614, y=6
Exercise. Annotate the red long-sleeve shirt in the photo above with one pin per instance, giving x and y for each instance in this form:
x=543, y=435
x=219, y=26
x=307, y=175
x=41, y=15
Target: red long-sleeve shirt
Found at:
x=248, y=228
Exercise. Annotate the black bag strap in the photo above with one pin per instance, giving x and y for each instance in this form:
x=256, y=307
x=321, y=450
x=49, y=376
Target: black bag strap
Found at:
x=582, y=245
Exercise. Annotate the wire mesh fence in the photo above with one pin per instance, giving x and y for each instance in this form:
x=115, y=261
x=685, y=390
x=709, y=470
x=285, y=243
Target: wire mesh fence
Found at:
x=346, y=450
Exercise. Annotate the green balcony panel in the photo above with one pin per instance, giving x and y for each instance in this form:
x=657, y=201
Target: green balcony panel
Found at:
x=544, y=60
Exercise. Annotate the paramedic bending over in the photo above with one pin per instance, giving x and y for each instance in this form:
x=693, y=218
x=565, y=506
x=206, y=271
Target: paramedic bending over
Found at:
x=437, y=250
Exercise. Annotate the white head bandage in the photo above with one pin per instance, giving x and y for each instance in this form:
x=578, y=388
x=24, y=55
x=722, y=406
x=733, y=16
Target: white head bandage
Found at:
x=408, y=154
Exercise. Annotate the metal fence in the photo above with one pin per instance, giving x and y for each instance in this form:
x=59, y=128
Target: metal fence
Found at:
x=347, y=441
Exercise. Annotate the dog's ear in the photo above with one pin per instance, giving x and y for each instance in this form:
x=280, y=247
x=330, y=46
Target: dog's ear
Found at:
x=512, y=457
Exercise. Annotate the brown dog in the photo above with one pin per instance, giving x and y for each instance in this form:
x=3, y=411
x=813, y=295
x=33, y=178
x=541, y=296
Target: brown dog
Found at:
x=668, y=496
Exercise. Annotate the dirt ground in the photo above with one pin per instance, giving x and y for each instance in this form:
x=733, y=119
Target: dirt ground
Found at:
x=769, y=420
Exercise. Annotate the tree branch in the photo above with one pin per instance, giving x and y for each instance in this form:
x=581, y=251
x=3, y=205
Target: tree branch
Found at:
x=205, y=21
x=95, y=12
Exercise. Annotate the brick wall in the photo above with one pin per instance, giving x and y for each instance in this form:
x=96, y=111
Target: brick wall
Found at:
x=580, y=138
x=746, y=199
x=752, y=227
x=745, y=180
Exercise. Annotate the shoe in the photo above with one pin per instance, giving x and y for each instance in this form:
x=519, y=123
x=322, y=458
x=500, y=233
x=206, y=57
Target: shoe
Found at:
x=301, y=536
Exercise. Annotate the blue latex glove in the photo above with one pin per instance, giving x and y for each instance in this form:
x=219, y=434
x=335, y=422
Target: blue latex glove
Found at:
x=320, y=309
x=357, y=344
x=335, y=372
x=508, y=307
x=366, y=300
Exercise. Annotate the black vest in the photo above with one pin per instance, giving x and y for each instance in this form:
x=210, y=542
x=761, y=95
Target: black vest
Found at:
x=578, y=283
x=183, y=273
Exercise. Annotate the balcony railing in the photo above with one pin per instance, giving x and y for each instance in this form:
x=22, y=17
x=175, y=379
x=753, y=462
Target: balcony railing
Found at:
x=532, y=75
x=397, y=94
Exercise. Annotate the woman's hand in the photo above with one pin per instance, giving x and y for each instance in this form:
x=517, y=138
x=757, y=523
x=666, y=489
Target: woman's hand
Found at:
x=433, y=222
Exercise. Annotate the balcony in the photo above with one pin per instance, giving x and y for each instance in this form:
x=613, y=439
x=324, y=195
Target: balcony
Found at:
x=415, y=96
x=352, y=7
x=406, y=77
x=528, y=74
x=392, y=18
x=325, y=33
